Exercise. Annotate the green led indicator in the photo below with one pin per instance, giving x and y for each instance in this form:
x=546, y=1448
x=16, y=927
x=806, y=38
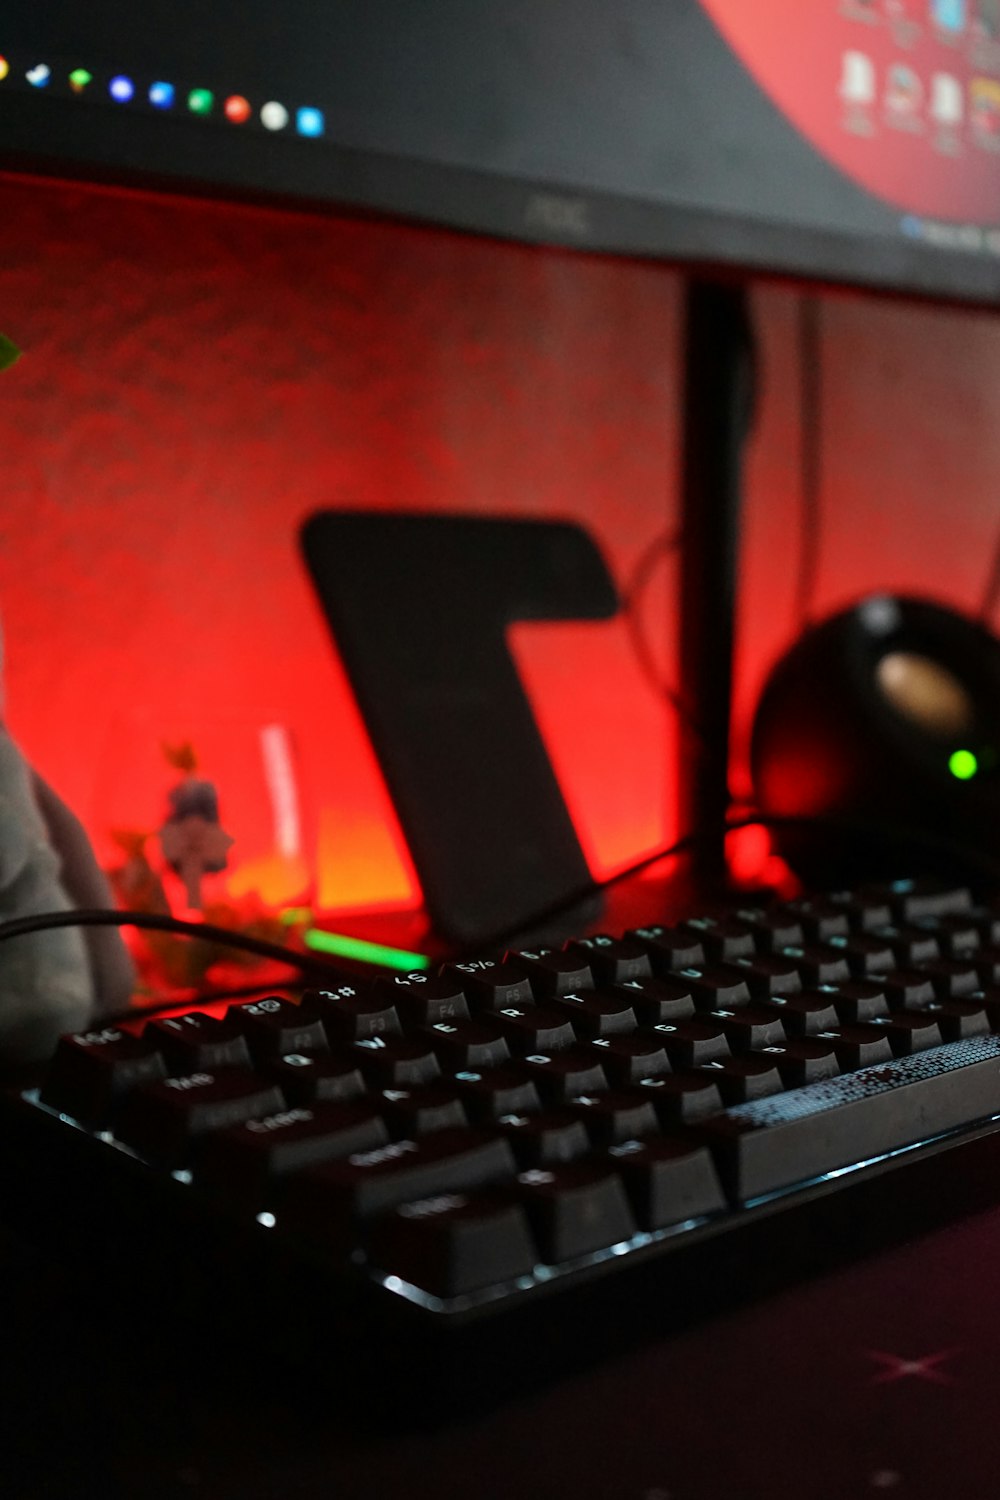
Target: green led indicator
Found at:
x=78, y=80
x=369, y=953
x=963, y=765
x=200, y=101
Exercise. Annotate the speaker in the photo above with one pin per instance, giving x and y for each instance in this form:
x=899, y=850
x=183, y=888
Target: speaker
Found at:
x=883, y=724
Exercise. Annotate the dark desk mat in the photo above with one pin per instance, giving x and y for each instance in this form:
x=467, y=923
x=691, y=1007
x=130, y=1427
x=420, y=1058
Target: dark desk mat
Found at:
x=880, y=1380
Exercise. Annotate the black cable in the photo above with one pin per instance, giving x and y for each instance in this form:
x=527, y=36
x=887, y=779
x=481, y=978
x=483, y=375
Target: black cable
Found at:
x=662, y=545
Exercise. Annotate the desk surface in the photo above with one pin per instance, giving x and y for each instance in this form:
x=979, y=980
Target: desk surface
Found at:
x=879, y=1380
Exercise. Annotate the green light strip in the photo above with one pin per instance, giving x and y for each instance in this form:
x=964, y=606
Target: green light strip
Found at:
x=369, y=953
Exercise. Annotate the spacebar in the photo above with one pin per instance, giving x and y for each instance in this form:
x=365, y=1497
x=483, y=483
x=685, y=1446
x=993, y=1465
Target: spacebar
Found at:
x=773, y=1143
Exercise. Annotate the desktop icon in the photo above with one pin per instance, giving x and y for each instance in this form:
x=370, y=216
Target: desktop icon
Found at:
x=947, y=105
x=309, y=121
x=161, y=95
x=857, y=80
x=273, y=116
x=948, y=15
x=4, y=68
x=904, y=93
x=121, y=88
x=78, y=80
x=237, y=109
x=200, y=101
x=39, y=75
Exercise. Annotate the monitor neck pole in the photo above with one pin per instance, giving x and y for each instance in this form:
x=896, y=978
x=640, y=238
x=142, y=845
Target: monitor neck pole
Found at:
x=718, y=399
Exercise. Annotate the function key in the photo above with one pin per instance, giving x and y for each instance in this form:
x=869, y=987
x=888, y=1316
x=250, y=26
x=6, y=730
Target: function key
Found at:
x=93, y=1071
x=820, y=919
x=274, y=1026
x=351, y=1012
x=421, y=999
x=612, y=960
x=670, y=949
x=774, y=927
x=197, y=1041
x=490, y=984
x=553, y=973
x=723, y=938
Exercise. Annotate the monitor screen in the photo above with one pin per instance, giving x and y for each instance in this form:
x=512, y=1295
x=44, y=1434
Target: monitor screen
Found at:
x=851, y=141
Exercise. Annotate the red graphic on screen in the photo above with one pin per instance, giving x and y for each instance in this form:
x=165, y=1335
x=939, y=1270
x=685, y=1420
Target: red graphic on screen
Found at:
x=901, y=95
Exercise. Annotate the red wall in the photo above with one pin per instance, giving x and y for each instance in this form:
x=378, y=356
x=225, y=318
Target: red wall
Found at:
x=198, y=377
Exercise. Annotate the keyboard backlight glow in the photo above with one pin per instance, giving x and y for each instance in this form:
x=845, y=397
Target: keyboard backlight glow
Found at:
x=369, y=953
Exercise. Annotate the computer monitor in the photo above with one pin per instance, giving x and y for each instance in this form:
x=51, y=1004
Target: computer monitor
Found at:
x=847, y=140
x=850, y=145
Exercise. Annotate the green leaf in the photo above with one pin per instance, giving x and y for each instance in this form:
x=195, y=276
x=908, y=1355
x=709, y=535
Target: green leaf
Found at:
x=9, y=352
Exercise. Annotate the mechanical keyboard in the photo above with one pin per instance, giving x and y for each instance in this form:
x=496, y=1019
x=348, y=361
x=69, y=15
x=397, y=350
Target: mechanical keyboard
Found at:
x=674, y=1109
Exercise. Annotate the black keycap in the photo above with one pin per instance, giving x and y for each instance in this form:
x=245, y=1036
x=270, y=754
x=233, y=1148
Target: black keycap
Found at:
x=752, y=1075
x=808, y=1013
x=911, y=899
x=907, y=988
x=688, y=1043
x=952, y=978
x=654, y=1000
x=806, y=1059
x=597, y=1012
x=454, y=1243
x=668, y=1181
x=552, y=1135
x=553, y=972
x=723, y=938
x=909, y=944
x=987, y=962
x=241, y=1164
x=749, y=1027
x=575, y=1209
x=683, y=1098
x=419, y=1111
x=819, y=963
x=960, y=1018
x=772, y=1143
x=164, y=1120
x=773, y=928
x=534, y=1028
x=327, y=1201
x=351, y=1012
x=195, y=1041
x=274, y=1026
x=864, y=912
x=421, y=999
x=959, y=935
x=866, y=954
x=821, y=919
x=496, y=1091
x=670, y=949
x=861, y=1000
x=913, y=1031
x=395, y=1061
x=618, y=1115
x=859, y=1046
x=468, y=1044
x=612, y=960
x=490, y=984
x=92, y=1072
x=627, y=1059
x=718, y=986
x=305, y=1077
x=769, y=974
x=561, y=1075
